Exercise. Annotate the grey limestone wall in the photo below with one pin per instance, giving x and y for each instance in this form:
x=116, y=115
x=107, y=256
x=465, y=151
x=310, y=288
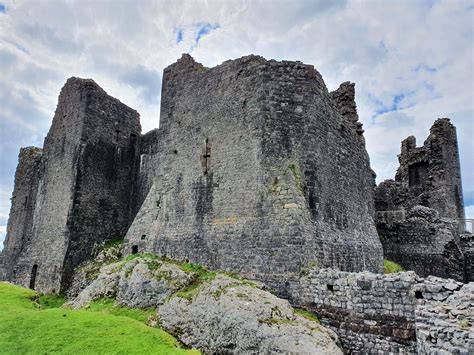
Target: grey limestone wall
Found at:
x=447, y=326
x=375, y=313
x=20, y=223
x=416, y=214
x=259, y=171
x=84, y=193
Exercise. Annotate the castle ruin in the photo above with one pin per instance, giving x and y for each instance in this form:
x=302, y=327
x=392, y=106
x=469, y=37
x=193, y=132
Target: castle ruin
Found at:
x=420, y=214
x=256, y=168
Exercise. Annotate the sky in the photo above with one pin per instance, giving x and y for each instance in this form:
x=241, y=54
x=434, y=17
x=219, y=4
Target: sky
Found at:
x=411, y=60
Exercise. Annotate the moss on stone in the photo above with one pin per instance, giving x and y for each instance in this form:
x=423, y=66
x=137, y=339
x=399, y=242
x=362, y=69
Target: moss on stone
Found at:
x=306, y=314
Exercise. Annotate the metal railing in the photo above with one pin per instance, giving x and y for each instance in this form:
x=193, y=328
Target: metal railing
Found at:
x=466, y=225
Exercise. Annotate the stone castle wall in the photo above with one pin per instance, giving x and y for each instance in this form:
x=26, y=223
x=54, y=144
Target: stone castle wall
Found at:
x=417, y=213
x=83, y=194
x=243, y=179
x=19, y=230
x=395, y=313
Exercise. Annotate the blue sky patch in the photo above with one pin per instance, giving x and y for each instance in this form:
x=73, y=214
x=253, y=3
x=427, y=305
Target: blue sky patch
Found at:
x=427, y=68
x=203, y=29
x=179, y=36
x=394, y=106
x=2, y=8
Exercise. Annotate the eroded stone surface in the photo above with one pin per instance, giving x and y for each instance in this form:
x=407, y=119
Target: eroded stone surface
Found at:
x=229, y=315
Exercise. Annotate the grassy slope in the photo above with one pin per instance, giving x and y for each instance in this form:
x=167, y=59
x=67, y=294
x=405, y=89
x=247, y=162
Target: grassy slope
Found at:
x=25, y=328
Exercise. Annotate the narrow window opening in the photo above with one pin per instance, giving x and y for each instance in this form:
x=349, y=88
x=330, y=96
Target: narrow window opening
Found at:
x=134, y=249
x=34, y=270
x=418, y=295
x=117, y=136
x=26, y=201
x=143, y=236
x=206, y=157
x=330, y=287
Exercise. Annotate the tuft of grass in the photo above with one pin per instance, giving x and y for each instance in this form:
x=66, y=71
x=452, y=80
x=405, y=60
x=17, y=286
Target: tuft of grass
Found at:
x=390, y=267
x=49, y=301
x=306, y=314
x=25, y=328
x=202, y=276
x=115, y=242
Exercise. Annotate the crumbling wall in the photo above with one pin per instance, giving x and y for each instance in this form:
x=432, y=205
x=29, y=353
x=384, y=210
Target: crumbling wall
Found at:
x=446, y=326
x=19, y=229
x=261, y=173
x=84, y=193
x=417, y=214
x=374, y=313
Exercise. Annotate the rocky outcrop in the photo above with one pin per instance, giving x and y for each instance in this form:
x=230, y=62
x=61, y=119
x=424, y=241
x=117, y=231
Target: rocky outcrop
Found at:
x=234, y=316
x=216, y=313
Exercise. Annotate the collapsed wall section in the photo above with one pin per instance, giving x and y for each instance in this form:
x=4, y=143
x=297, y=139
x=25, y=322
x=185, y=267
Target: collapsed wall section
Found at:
x=259, y=172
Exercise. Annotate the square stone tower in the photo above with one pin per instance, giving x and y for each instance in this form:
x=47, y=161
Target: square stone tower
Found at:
x=260, y=170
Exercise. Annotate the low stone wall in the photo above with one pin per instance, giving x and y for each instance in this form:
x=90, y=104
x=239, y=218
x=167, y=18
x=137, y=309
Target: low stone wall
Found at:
x=372, y=313
x=446, y=326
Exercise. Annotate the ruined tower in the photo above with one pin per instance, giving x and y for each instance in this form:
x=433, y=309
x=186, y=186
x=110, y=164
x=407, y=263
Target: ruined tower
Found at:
x=258, y=169
x=74, y=193
x=418, y=213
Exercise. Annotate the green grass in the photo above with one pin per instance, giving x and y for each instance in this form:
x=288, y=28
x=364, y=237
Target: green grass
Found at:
x=49, y=301
x=306, y=314
x=108, y=306
x=32, y=325
x=390, y=267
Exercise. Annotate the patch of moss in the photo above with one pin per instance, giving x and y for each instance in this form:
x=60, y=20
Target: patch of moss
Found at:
x=390, y=267
x=297, y=176
x=311, y=265
x=202, y=276
x=243, y=296
x=464, y=323
x=306, y=314
x=45, y=301
x=115, y=242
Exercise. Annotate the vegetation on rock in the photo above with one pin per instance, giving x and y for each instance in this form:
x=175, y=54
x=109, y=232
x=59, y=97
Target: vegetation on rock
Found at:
x=390, y=267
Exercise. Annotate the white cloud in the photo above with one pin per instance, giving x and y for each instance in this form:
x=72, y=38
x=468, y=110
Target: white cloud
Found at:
x=418, y=51
x=3, y=232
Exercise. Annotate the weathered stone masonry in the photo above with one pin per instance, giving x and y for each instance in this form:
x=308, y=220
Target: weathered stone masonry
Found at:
x=396, y=313
x=417, y=213
x=260, y=170
x=80, y=188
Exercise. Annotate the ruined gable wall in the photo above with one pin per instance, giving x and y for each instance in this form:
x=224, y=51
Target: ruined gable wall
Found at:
x=20, y=222
x=432, y=173
x=84, y=194
x=416, y=214
x=265, y=202
x=106, y=169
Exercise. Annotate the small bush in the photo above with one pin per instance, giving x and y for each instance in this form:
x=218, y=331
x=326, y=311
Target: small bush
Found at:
x=390, y=267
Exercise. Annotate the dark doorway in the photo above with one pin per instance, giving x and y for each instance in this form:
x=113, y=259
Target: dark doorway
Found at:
x=34, y=270
x=134, y=249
